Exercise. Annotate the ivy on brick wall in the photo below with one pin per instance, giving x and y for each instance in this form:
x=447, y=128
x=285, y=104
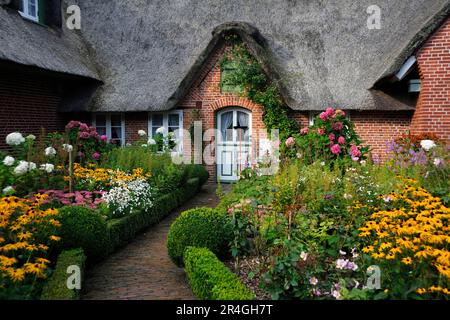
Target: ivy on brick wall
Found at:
x=248, y=74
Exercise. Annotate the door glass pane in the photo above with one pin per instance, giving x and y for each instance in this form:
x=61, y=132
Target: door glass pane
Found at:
x=226, y=126
x=243, y=127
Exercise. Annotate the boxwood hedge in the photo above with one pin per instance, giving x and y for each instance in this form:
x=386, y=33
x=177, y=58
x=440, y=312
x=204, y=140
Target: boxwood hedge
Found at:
x=210, y=279
x=56, y=286
x=200, y=227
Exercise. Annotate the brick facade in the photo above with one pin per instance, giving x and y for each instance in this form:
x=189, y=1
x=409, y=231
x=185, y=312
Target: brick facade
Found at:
x=433, y=109
x=28, y=102
x=205, y=99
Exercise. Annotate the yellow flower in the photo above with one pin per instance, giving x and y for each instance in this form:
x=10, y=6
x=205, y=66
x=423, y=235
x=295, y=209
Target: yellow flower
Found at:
x=407, y=261
x=378, y=255
x=368, y=249
x=17, y=275
x=7, y=262
x=55, y=238
x=421, y=291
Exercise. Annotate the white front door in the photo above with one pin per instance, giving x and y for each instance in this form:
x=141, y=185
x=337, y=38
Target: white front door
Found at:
x=233, y=143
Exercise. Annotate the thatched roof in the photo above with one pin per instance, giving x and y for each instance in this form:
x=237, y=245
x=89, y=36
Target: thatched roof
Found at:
x=148, y=52
x=30, y=44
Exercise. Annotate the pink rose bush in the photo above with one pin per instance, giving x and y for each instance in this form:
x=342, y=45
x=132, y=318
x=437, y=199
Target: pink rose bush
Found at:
x=89, y=144
x=332, y=137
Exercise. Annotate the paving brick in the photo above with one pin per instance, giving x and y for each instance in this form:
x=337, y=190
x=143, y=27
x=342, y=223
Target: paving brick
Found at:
x=143, y=270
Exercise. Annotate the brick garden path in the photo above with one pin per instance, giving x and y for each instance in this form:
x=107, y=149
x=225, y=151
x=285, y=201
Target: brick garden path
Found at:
x=142, y=270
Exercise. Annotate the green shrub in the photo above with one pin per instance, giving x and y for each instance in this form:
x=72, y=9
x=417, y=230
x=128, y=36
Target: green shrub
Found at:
x=83, y=227
x=197, y=171
x=210, y=279
x=56, y=286
x=201, y=227
x=122, y=230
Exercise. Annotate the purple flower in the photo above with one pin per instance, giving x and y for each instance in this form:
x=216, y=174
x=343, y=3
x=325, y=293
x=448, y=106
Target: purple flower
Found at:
x=96, y=156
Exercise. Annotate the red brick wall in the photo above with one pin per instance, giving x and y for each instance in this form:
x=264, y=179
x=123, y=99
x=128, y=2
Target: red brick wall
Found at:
x=378, y=127
x=28, y=103
x=133, y=123
x=433, y=109
x=205, y=96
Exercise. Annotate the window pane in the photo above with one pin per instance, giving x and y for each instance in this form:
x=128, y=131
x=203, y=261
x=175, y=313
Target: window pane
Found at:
x=174, y=120
x=116, y=120
x=154, y=131
x=157, y=120
x=101, y=131
x=116, y=132
x=100, y=121
x=32, y=8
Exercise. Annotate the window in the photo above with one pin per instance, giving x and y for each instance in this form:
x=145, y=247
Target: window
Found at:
x=227, y=83
x=172, y=122
x=112, y=126
x=30, y=10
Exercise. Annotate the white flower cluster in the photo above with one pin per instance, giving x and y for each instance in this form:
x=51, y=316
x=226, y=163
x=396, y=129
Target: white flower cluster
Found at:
x=9, y=161
x=24, y=167
x=50, y=152
x=15, y=139
x=427, y=145
x=48, y=167
x=128, y=196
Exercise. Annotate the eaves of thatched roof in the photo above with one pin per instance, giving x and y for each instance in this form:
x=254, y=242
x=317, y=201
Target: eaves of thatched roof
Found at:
x=149, y=52
x=31, y=44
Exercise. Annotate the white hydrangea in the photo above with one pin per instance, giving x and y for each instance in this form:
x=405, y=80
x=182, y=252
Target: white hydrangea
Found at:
x=24, y=167
x=31, y=137
x=151, y=142
x=48, y=167
x=50, y=152
x=67, y=147
x=128, y=196
x=8, y=190
x=427, y=145
x=9, y=161
x=15, y=139
x=161, y=131
x=142, y=133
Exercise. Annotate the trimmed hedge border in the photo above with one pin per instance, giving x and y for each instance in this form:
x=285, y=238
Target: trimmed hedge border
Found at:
x=56, y=286
x=210, y=279
x=122, y=230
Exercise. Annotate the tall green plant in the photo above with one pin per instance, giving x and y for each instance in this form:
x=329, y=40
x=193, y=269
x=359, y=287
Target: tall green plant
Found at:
x=258, y=88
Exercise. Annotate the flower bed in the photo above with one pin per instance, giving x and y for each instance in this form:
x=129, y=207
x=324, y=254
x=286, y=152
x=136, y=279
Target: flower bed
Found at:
x=75, y=190
x=338, y=225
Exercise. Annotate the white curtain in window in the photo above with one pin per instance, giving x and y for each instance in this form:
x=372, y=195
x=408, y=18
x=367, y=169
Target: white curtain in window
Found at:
x=243, y=119
x=226, y=123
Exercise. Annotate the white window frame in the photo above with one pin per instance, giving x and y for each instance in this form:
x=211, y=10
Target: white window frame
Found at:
x=108, y=124
x=166, y=126
x=26, y=14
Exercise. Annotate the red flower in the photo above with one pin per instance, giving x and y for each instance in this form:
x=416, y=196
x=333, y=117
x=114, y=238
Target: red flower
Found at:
x=336, y=149
x=320, y=131
x=332, y=137
x=304, y=131
x=338, y=126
